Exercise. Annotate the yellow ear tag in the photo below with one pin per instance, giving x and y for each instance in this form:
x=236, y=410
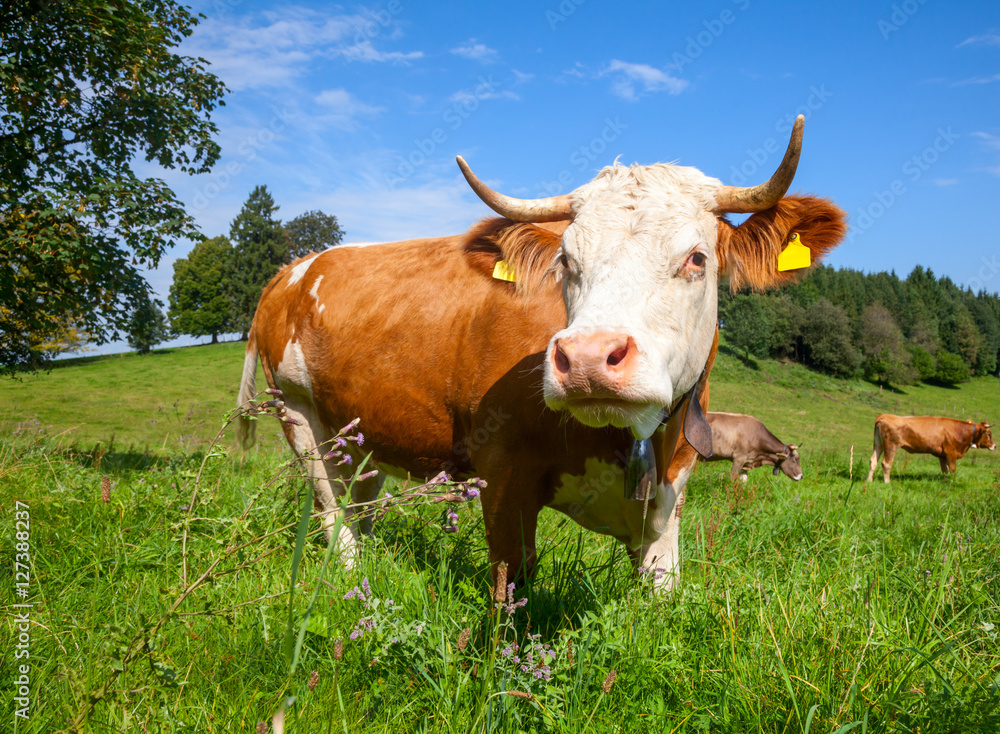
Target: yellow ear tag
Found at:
x=502, y=271
x=796, y=256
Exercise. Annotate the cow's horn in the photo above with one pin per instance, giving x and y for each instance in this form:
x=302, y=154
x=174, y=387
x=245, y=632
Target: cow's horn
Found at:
x=739, y=199
x=792, y=447
x=551, y=209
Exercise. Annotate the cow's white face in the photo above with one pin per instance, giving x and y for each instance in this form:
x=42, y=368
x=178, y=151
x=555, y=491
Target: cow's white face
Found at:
x=639, y=278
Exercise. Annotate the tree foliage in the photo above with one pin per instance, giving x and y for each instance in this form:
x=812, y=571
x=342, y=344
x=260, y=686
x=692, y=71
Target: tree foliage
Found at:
x=199, y=302
x=903, y=327
x=260, y=247
x=886, y=358
x=951, y=370
x=313, y=231
x=147, y=326
x=87, y=88
x=826, y=335
x=747, y=323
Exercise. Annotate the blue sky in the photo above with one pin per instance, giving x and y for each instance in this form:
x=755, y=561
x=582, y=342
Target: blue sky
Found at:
x=360, y=110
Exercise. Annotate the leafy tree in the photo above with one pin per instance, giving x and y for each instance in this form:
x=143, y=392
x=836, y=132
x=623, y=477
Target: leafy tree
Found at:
x=826, y=337
x=747, y=325
x=786, y=325
x=87, y=88
x=70, y=338
x=147, y=326
x=260, y=248
x=886, y=358
x=199, y=303
x=951, y=370
x=923, y=362
x=313, y=231
x=961, y=336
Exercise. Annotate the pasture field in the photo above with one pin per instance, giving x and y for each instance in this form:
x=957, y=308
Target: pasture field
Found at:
x=828, y=605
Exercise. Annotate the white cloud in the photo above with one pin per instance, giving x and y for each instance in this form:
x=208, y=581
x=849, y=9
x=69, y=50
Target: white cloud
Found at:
x=476, y=51
x=365, y=51
x=465, y=95
x=987, y=39
x=978, y=80
x=990, y=141
x=345, y=108
x=993, y=143
x=270, y=50
x=632, y=80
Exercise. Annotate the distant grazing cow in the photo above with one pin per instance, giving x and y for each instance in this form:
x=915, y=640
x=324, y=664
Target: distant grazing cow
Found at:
x=946, y=438
x=748, y=444
x=547, y=387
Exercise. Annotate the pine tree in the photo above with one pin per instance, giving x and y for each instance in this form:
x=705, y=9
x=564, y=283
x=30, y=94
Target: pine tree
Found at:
x=147, y=325
x=199, y=303
x=747, y=325
x=260, y=247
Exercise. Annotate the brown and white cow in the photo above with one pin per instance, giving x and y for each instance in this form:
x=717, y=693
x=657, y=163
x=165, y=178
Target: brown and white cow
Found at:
x=540, y=386
x=746, y=442
x=946, y=438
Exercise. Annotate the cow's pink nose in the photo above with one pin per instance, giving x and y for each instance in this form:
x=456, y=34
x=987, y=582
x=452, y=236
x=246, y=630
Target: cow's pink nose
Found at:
x=595, y=364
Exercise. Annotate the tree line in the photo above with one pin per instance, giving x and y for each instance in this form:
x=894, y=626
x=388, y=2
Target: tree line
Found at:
x=216, y=287
x=882, y=327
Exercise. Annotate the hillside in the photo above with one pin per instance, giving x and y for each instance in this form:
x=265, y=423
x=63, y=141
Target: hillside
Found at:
x=175, y=399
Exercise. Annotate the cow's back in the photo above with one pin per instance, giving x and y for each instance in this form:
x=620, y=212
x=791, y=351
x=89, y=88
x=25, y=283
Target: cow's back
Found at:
x=921, y=434
x=416, y=338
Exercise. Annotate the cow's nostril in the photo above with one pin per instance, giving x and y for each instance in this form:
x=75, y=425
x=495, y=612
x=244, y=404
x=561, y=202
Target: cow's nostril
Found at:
x=561, y=360
x=618, y=355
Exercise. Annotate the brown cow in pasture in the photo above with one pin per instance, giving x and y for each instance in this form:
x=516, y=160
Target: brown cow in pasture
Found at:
x=946, y=438
x=554, y=387
x=746, y=442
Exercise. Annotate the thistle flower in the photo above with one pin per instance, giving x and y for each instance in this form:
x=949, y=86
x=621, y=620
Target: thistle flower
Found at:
x=463, y=639
x=273, y=391
x=291, y=421
x=313, y=680
x=106, y=490
x=368, y=475
x=350, y=426
x=609, y=680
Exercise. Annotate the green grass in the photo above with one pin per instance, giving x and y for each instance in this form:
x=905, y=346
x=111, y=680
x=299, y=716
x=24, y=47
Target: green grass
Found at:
x=825, y=601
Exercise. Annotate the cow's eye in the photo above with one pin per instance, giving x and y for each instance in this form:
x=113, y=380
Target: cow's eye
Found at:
x=563, y=260
x=696, y=260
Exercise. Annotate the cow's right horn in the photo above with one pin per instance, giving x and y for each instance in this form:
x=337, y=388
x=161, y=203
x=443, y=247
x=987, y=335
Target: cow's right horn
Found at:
x=550, y=209
x=747, y=199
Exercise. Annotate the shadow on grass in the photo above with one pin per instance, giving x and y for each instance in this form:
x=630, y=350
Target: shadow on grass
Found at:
x=746, y=361
x=563, y=586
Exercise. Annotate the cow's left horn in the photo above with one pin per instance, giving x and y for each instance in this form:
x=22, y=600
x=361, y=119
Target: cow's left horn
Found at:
x=741, y=200
x=551, y=209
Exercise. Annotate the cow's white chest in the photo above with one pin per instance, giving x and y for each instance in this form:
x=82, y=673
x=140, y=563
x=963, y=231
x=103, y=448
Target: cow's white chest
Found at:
x=596, y=500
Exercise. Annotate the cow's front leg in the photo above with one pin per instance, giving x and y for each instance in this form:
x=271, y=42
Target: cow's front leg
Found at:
x=510, y=536
x=661, y=558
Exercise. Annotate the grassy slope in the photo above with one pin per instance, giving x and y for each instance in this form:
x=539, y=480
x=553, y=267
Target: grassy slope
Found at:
x=869, y=601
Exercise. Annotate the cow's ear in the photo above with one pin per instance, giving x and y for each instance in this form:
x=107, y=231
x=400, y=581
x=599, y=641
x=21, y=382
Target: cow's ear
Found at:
x=748, y=254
